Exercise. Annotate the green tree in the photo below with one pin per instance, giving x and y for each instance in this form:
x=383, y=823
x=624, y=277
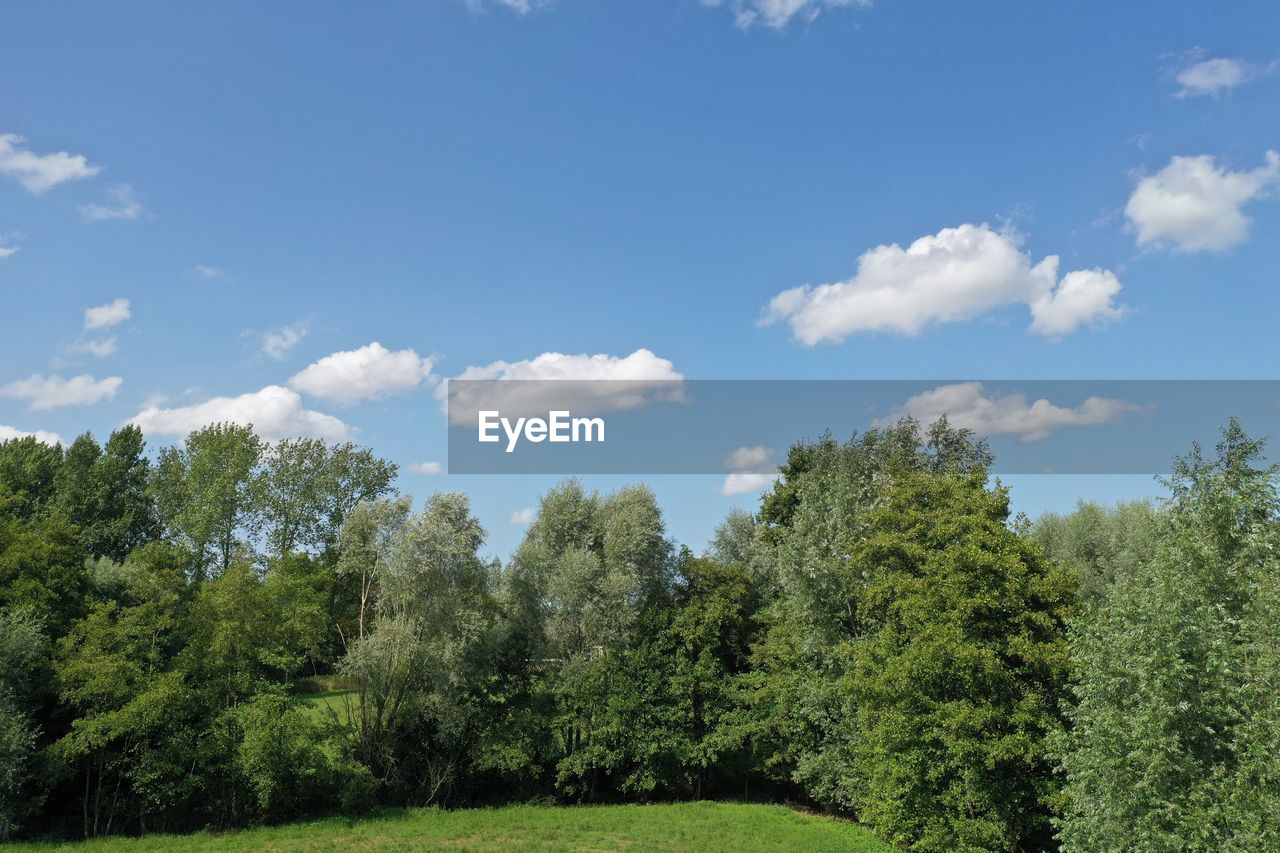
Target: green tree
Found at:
x=103, y=491
x=285, y=758
x=209, y=494
x=22, y=643
x=310, y=487
x=587, y=574
x=28, y=470
x=132, y=740
x=793, y=703
x=1173, y=743
x=714, y=625
x=367, y=542
x=1103, y=544
x=418, y=666
x=957, y=669
x=42, y=567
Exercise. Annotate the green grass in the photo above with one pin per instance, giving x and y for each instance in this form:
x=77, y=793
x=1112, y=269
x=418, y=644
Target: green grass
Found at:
x=700, y=827
x=320, y=704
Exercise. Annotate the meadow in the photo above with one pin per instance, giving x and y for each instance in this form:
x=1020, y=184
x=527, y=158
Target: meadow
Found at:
x=681, y=826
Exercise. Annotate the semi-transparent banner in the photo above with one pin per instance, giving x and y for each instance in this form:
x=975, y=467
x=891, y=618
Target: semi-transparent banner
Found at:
x=701, y=426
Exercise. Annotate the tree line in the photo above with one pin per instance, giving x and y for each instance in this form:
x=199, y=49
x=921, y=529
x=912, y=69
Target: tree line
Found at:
x=881, y=638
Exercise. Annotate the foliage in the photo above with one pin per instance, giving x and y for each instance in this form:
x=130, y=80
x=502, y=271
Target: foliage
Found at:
x=1174, y=740
x=878, y=639
x=1105, y=545
x=957, y=669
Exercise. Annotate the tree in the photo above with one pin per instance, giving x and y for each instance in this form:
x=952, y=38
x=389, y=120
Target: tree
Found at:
x=209, y=493
x=76, y=494
x=285, y=758
x=957, y=668
x=309, y=488
x=1173, y=743
x=103, y=491
x=368, y=537
x=28, y=469
x=581, y=584
x=133, y=739
x=795, y=710
x=42, y=567
x=417, y=667
x=21, y=645
x=714, y=625
x=1103, y=544
x=128, y=517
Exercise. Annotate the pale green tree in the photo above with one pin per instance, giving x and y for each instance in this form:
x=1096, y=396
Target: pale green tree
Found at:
x=209, y=493
x=1173, y=742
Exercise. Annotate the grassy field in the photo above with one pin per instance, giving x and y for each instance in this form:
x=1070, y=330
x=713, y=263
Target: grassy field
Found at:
x=320, y=704
x=683, y=826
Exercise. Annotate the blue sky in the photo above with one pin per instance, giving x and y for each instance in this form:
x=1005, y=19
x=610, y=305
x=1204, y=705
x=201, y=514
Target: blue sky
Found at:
x=490, y=182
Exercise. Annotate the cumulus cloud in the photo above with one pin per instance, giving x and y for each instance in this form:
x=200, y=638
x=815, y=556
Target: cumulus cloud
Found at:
x=40, y=172
x=1083, y=297
x=968, y=405
x=523, y=516
x=105, y=316
x=369, y=373
x=1195, y=205
x=51, y=392
x=6, y=251
x=123, y=205
x=98, y=347
x=745, y=483
x=426, y=469
x=1214, y=77
x=585, y=384
x=275, y=412
x=276, y=342
x=777, y=14
x=8, y=433
x=957, y=274
x=754, y=458
x=752, y=470
x=206, y=271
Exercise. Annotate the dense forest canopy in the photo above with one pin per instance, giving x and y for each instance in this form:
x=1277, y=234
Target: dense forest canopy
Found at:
x=233, y=632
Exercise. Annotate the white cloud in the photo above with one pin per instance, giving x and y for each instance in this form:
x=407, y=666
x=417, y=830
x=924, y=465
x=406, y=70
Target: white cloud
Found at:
x=99, y=347
x=968, y=405
x=745, y=483
x=957, y=274
x=603, y=383
x=206, y=271
x=1197, y=206
x=752, y=470
x=777, y=14
x=276, y=342
x=6, y=251
x=8, y=433
x=368, y=373
x=523, y=516
x=1213, y=77
x=426, y=469
x=105, y=316
x=1083, y=297
x=275, y=413
x=124, y=205
x=749, y=459
x=51, y=392
x=40, y=172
